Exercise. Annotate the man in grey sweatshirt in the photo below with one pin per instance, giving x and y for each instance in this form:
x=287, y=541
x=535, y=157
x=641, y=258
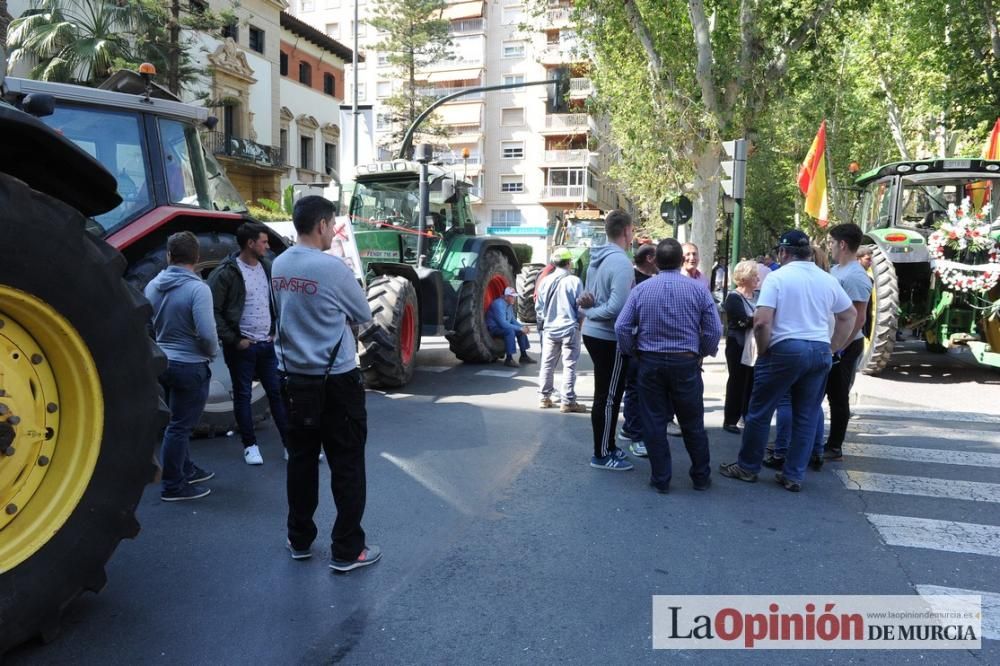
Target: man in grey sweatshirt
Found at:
x=558, y=317
x=184, y=323
x=610, y=278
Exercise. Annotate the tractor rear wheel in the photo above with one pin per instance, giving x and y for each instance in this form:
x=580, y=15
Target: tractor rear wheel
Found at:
x=393, y=301
x=471, y=341
x=80, y=409
x=218, y=417
x=883, y=311
x=527, y=280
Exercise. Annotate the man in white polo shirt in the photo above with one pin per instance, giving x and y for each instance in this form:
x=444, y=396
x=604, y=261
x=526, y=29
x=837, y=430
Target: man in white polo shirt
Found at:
x=792, y=330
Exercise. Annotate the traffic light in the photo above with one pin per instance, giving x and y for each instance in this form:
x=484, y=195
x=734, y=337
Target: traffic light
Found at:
x=735, y=168
x=558, y=94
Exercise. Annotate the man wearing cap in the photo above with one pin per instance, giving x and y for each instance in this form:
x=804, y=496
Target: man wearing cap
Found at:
x=501, y=322
x=792, y=331
x=559, y=320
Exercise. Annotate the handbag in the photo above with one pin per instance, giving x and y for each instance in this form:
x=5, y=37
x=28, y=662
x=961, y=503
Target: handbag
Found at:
x=749, y=350
x=305, y=396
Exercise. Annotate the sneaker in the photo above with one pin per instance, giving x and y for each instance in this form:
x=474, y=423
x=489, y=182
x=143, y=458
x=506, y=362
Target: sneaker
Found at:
x=510, y=362
x=728, y=427
x=623, y=435
x=734, y=471
x=251, y=455
x=527, y=359
x=674, y=429
x=793, y=486
x=572, y=408
x=546, y=403
x=620, y=454
x=704, y=484
x=816, y=463
x=188, y=492
x=833, y=454
x=199, y=475
x=638, y=449
x=611, y=462
x=297, y=553
x=370, y=555
x=772, y=461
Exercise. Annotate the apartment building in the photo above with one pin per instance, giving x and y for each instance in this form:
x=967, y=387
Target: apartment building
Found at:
x=529, y=156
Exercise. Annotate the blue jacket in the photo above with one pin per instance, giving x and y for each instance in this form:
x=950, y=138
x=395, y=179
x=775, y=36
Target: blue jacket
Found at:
x=500, y=318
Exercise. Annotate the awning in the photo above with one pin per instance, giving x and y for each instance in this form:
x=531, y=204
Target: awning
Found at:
x=463, y=10
x=455, y=75
x=461, y=114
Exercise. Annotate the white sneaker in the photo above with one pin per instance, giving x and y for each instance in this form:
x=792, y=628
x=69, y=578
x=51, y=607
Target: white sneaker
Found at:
x=251, y=455
x=673, y=429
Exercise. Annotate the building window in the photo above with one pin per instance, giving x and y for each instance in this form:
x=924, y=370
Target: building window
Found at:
x=382, y=121
x=329, y=84
x=305, y=152
x=513, y=49
x=305, y=73
x=505, y=217
x=511, y=79
x=362, y=28
x=284, y=64
x=512, y=117
x=513, y=15
x=232, y=31
x=330, y=158
x=383, y=59
x=307, y=5
x=383, y=89
x=333, y=30
x=256, y=37
x=512, y=150
x=512, y=183
x=283, y=144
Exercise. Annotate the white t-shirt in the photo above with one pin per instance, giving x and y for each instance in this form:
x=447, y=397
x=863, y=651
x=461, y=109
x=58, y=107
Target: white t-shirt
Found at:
x=803, y=297
x=856, y=283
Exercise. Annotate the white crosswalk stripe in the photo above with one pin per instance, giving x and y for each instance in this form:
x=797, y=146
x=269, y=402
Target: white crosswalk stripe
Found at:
x=937, y=534
x=991, y=606
x=911, y=454
x=973, y=491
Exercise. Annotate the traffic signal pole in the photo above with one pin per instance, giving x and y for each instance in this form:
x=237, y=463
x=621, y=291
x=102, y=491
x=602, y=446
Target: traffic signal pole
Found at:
x=734, y=187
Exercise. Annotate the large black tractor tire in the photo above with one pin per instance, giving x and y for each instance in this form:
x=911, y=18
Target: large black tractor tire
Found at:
x=393, y=301
x=218, y=417
x=52, y=271
x=471, y=341
x=883, y=311
x=527, y=280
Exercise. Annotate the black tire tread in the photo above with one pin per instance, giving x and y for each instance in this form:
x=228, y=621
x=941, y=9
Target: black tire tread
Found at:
x=882, y=338
x=527, y=280
x=387, y=297
x=470, y=341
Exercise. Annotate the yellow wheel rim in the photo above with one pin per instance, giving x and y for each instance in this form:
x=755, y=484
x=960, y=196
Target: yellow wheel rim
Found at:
x=51, y=423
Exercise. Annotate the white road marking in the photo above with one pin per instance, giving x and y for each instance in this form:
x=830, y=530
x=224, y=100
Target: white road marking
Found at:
x=973, y=491
x=943, y=456
x=497, y=373
x=991, y=606
x=925, y=414
x=943, y=535
x=433, y=368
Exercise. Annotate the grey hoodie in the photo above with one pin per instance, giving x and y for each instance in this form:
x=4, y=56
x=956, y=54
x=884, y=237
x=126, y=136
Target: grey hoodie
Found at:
x=182, y=315
x=560, y=314
x=610, y=278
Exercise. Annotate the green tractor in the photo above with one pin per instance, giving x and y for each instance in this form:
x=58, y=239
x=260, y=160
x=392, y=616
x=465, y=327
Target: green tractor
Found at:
x=914, y=215
x=576, y=230
x=436, y=278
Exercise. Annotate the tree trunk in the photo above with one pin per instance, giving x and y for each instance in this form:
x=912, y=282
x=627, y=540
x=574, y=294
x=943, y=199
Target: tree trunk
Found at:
x=895, y=118
x=174, y=52
x=990, y=16
x=706, y=205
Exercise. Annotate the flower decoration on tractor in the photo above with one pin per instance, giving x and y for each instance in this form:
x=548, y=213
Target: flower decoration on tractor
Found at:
x=964, y=250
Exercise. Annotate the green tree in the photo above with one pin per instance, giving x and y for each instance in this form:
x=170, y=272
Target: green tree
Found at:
x=415, y=37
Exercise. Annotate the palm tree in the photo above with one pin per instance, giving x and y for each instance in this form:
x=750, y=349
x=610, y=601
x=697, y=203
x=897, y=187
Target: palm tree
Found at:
x=76, y=41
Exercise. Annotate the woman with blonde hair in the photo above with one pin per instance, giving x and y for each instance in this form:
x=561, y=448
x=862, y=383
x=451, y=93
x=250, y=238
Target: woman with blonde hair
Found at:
x=739, y=307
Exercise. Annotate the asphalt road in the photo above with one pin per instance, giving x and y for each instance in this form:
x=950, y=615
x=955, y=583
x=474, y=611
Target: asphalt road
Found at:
x=503, y=546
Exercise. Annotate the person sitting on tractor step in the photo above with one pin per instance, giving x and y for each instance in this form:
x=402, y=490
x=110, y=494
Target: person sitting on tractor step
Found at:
x=559, y=320
x=244, y=317
x=185, y=331
x=501, y=322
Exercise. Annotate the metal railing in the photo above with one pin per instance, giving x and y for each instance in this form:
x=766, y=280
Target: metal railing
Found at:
x=574, y=156
x=581, y=85
x=438, y=93
x=567, y=121
x=467, y=25
x=559, y=15
x=243, y=149
x=569, y=192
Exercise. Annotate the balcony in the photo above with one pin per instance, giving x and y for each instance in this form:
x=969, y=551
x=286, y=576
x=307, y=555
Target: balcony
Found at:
x=570, y=158
x=567, y=123
x=438, y=93
x=242, y=149
x=456, y=160
x=580, y=88
x=562, y=52
x=567, y=193
x=559, y=17
x=467, y=26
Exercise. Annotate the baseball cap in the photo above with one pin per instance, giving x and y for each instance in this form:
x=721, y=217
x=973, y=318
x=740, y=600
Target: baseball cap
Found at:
x=793, y=238
x=562, y=254
x=509, y=291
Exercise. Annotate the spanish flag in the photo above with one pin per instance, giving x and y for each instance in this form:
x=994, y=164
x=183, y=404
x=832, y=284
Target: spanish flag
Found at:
x=812, y=178
x=991, y=151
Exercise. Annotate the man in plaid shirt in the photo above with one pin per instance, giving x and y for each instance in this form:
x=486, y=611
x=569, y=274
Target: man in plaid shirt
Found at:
x=670, y=323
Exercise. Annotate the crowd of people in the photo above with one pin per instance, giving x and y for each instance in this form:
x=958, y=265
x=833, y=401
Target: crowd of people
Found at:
x=794, y=334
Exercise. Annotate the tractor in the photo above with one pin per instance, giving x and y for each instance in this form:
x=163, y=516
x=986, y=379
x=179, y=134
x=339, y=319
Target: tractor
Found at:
x=79, y=402
x=578, y=231
x=906, y=211
x=436, y=278
x=167, y=180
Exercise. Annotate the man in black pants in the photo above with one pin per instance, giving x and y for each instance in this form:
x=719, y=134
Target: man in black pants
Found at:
x=845, y=239
x=610, y=278
x=317, y=297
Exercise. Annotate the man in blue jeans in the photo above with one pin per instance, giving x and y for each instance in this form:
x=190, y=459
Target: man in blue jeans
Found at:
x=501, y=321
x=244, y=317
x=185, y=331
x=792, y=330
x=670, y=323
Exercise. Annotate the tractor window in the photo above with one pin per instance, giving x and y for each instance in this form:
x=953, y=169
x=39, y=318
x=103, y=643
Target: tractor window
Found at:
x=177, y=166
x=114, y=139
x=876, y=208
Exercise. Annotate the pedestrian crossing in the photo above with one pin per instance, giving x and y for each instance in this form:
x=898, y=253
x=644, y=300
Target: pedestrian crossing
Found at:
x=944, y=488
